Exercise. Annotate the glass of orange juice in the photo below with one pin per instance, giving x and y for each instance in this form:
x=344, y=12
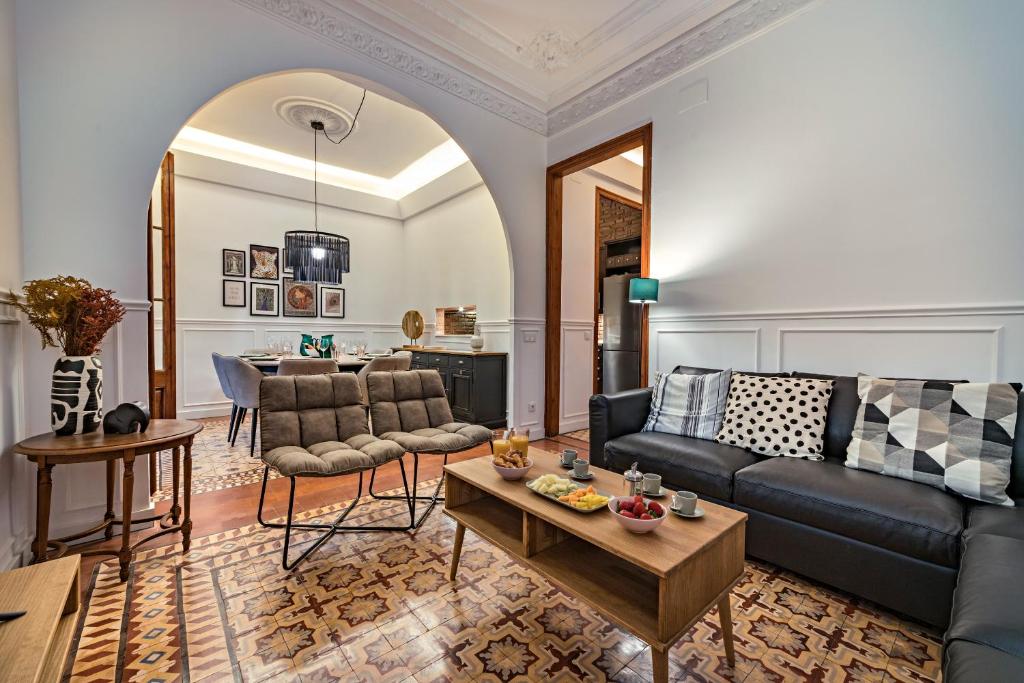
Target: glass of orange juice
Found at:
x=500, y=444
x=521, y=440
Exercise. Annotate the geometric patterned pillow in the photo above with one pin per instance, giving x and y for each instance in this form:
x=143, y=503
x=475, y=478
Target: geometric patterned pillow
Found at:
x=776, y=415
x=957, y=437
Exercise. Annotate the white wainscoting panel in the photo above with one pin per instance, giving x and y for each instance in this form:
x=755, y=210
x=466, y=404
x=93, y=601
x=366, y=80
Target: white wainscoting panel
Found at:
x=727, y=347
x=16, y=473
x=576, y=374
x=199, y=388
x=526, y=374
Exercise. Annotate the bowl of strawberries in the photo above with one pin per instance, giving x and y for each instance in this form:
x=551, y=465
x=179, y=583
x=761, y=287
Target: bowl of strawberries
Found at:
x=636, y=513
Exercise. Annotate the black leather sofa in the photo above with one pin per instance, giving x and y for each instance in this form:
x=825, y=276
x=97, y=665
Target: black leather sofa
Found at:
x=910, y=547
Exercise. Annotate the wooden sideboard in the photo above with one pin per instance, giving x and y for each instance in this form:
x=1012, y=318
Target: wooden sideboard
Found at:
x=476, y=383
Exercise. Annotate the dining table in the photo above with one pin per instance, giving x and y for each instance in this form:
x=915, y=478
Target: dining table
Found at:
x=269, y=363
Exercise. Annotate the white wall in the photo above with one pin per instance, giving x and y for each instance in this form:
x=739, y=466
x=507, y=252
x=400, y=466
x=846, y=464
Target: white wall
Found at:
x=577, y=325
x=15, y=486
x=847, y=199
x=454, y=254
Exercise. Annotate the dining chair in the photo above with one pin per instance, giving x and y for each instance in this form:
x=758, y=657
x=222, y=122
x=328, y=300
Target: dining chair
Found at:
x=306, y=366
x=244, y=379
x=225, y=386
x=393, y=363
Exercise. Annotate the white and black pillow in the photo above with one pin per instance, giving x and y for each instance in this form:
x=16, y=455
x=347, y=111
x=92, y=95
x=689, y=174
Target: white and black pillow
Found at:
x=688, y=405
x=776, y=415
x=954, y=436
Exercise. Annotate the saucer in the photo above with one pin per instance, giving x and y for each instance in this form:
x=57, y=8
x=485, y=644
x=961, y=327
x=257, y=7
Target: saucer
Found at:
x=699, y=512
x=565, y=467
x=660, y=494
x=586, y=477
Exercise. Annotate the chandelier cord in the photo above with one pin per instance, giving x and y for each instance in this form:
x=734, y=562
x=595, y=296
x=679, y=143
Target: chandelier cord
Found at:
x=352, y=127
x=316, y=206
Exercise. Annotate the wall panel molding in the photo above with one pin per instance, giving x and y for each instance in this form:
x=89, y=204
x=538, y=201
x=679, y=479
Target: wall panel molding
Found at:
x=660, y=334
x=927, y=311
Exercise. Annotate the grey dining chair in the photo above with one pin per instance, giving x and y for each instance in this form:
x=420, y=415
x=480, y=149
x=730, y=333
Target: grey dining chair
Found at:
x=306, y=366
x=244, y=379
x=225, y=386
x=396, y=363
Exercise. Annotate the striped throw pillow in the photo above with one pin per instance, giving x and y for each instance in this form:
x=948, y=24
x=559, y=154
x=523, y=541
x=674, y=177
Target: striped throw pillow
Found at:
x=689, y=405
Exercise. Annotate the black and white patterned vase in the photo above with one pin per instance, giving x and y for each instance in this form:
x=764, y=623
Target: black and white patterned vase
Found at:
x=76, y=398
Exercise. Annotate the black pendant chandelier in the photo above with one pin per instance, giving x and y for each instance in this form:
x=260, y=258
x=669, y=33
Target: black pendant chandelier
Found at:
x=316, y=256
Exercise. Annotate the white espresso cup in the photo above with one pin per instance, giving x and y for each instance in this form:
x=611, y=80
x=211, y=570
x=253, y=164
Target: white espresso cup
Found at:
x=652, y=484
x=580, y=468
x=684, y=502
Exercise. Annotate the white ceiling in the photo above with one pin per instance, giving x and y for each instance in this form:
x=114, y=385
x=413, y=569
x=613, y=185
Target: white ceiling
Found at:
x=543, y=51
x=388, y=137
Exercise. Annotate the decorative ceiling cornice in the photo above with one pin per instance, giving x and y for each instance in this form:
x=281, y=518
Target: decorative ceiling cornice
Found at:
x=737, y=23
x=332, y=25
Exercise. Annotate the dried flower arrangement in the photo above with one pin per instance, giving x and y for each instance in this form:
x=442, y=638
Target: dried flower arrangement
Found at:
x=70, y=313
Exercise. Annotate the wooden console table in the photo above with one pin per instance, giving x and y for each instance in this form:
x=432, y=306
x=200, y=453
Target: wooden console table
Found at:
x=47, y=450
x=33, y=647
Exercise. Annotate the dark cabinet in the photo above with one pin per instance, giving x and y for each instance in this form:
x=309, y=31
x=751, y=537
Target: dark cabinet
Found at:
x=476, y=383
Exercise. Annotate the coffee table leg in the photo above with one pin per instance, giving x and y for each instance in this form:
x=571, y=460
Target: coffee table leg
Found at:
x=460, y=532
x=44, y=485
x=659, y=658
x=127, y=489
x=186, y=524
x=725, y=616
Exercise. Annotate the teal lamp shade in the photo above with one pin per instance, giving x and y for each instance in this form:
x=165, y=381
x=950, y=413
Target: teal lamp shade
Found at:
x=643, y=290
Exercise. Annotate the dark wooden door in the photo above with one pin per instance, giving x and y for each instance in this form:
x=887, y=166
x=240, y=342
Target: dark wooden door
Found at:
x=160, y=260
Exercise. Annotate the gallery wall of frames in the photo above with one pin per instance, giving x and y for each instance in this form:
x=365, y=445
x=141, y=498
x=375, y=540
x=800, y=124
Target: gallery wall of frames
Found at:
x=268, y=290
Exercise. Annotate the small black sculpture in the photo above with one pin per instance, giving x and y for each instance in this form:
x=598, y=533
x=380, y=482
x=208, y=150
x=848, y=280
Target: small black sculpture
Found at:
x=127, y=418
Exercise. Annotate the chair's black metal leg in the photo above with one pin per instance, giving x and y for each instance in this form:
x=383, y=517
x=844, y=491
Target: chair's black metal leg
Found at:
x=433, y=499
x=231, y=422
x=252, y=433
x=238, y=425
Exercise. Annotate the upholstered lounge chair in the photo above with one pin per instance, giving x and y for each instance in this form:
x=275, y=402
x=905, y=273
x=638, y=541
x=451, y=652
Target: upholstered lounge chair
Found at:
x=411, y=409
x=315, y=426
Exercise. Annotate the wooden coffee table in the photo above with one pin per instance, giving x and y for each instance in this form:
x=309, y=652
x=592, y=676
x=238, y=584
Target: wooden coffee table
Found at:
x=655, y=585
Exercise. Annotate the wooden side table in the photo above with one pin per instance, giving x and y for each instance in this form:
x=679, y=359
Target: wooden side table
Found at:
x=48, y=450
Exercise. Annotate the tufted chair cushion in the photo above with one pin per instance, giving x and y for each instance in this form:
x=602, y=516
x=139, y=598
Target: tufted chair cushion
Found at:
x=411, y=409
x=314, y=425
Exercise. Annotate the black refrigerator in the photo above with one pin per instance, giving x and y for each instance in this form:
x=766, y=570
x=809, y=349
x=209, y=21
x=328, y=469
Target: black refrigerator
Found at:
x=620, y=356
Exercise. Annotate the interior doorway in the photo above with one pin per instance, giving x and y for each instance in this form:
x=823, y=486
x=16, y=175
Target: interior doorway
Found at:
x=618, y=344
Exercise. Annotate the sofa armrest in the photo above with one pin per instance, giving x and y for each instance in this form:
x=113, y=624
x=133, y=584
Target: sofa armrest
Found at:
x=612, y=415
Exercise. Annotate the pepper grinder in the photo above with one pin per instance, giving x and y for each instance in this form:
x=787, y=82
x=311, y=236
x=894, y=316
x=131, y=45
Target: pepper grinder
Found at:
x=633, y=481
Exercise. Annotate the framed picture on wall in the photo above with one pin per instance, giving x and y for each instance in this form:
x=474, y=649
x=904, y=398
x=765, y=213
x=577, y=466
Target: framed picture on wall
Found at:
x=233, y=293
x=263, y=298
x=284, y=262
x=299, y=299
x=233, y=262
x=264, y=262
x=332, y=302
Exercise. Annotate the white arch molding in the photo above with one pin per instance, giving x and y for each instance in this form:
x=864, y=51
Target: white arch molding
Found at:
x=104, y=91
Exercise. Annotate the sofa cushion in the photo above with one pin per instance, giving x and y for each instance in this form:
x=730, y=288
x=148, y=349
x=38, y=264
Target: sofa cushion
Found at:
x=966, y=662
x=957, y=437
x=704, y=467
x=898, y=515
x=329, y=458
x=988, y=602
x=997, y=521
x=688, y=405
x=776, y=415
x=446, y=438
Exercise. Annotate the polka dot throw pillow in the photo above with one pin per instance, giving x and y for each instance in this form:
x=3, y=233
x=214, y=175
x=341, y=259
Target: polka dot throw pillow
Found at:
x=776, y=415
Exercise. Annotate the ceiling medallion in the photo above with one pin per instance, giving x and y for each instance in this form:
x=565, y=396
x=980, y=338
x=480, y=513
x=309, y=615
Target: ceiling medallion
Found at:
x=301, y=111
x=550, y=51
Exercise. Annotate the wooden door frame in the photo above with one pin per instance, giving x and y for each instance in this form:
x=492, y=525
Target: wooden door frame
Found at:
x=642, y=136
x=607, y=194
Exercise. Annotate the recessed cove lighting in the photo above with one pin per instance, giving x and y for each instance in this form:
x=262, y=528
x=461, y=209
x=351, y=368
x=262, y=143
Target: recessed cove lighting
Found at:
x=444, y=158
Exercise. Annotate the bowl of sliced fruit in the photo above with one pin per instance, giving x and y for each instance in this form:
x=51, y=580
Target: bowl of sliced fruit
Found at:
x=512, y=465
x=636, y=513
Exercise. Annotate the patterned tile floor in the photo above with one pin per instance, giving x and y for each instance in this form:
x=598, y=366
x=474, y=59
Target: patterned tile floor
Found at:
x=221, y=466
x=579, y=435
x=379, y=607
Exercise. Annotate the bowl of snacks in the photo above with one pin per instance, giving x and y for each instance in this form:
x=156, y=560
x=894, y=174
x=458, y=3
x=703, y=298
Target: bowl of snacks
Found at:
x=512, y=465
x=636, y=513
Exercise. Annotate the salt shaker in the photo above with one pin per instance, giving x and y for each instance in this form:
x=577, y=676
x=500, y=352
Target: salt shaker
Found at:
x=633, y=481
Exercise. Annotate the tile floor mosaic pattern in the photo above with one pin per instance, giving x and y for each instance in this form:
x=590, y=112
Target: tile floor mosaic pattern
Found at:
x=216, y=464
x=579, y=435
x=379, y=607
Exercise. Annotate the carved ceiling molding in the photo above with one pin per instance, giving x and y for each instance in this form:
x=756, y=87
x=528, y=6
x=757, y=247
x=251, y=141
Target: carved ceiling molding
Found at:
x=329, y=23
x=716, y=34
x=332, y=25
